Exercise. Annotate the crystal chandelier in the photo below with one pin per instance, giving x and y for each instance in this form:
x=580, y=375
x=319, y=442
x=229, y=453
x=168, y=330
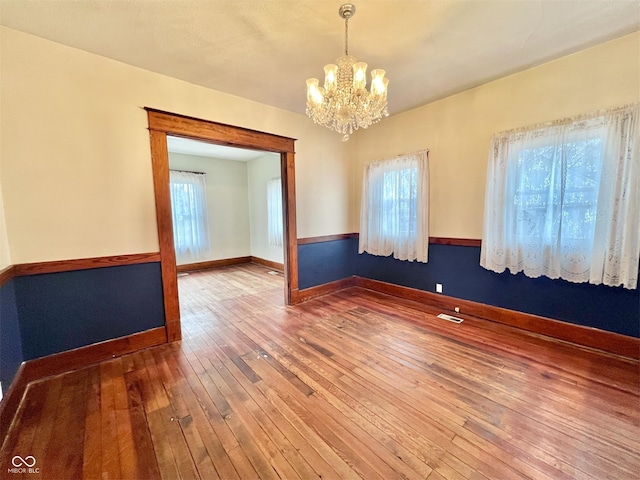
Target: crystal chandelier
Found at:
x=344, y=104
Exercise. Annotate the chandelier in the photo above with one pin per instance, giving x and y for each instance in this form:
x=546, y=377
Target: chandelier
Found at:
x=344, y=104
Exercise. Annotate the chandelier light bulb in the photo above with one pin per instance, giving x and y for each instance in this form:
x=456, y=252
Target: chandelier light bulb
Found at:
x=314, y=93
x=330, y=76
x=378, y=82
x=345, y=104
x=360, y=75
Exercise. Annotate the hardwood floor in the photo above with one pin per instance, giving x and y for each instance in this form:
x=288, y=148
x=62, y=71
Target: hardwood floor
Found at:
x=351, y=385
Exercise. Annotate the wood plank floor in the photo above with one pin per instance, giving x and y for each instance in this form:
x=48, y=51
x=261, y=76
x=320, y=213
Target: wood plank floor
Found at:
x=350, y=385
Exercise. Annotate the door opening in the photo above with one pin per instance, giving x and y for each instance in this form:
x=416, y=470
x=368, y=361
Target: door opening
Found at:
x=162, y=124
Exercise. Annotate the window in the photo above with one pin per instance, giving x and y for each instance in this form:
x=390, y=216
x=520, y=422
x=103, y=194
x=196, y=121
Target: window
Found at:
x=393, y=216
x=274, y=211
x=556, y=191
x=189, y=214
x=562, y=200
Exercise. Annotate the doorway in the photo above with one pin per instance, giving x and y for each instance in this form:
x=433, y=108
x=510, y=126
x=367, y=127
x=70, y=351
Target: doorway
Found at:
x=162, y=124
x=229, y=205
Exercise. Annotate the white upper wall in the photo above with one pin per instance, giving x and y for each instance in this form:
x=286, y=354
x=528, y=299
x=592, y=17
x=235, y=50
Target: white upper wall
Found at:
x=457, y=130
x=75, y=156
x=259, y=172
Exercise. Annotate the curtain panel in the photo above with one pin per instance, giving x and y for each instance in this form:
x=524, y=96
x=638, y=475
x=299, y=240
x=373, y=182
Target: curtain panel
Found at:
x=394, y=212
x=563, y=199
x=191, y=236
x=274, y=212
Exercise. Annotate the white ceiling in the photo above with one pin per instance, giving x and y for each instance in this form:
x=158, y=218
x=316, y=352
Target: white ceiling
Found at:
x=202, y=149
x=264, y=50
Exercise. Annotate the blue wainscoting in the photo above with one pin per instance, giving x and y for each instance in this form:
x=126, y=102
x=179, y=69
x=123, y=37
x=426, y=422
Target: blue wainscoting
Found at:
x=458, y=269
x=66, y=310
x=10, y=341
x=324, y=262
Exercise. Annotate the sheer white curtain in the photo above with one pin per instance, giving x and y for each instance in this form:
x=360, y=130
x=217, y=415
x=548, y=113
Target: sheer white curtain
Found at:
x=274, y=211
x=563, y=200
x=394, y=210
x=189, y=214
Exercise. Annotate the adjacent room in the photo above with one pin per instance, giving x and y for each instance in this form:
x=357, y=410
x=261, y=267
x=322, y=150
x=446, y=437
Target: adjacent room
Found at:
x=301, y=239
x=226, y=205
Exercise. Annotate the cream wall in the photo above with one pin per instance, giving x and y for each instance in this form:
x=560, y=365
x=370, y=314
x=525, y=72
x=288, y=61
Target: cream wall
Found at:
x=457, y=130
x=259, y=172
x=75, y=169
x=227, y=204
x=5, y=256
x=75, y=158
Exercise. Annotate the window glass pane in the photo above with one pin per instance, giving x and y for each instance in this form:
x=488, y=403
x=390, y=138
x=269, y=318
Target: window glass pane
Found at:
x=557, y=190
x=399, y=201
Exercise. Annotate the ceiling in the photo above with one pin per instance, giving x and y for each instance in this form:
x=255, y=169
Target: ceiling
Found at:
x=264, y=50
x=203, y=149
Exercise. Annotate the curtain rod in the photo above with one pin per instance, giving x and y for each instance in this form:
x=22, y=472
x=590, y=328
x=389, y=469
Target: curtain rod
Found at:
x=424, y=150
x=567, y=120
x=186, y=171
x=384, y=159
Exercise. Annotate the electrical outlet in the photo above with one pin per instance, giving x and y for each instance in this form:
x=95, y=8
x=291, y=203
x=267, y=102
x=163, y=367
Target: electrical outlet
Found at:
x=438, y=288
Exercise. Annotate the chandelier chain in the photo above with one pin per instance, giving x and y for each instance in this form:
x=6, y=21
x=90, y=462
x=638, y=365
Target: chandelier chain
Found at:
x=346, y=36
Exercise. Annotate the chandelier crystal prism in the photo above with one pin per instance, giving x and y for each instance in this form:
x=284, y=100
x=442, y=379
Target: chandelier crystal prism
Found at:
x=344, y=104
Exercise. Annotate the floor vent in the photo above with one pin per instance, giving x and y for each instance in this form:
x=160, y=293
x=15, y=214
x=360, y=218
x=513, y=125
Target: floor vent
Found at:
x=450, y=318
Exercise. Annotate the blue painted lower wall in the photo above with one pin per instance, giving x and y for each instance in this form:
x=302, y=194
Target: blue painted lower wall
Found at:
x=325, y=262
x=67, y=310
x=10, y=340
x=458, y=269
